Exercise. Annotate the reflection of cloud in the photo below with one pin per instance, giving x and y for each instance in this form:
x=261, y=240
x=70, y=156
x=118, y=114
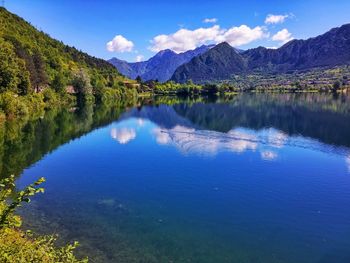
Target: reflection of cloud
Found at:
x=242, y=141
x=161, y=137
x=140, y=122
x=268, y=155
x=276, y=138
x=123, y=135
x=347, y=160
x=205, y=142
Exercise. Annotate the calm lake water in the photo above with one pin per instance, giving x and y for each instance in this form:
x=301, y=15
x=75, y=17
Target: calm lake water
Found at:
x=256, y=178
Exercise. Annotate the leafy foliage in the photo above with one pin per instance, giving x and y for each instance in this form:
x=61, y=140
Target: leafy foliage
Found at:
x=13, y=75
x=18, y=246
x=6, y=190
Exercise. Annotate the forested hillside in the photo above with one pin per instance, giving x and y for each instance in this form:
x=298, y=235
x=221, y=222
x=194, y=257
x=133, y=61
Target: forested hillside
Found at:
x=32, y=62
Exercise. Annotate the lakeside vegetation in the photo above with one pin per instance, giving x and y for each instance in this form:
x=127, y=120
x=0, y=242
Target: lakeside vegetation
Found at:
x=318, y=80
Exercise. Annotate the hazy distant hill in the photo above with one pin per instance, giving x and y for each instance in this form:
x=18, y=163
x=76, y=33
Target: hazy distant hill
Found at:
x=161, y=66
x=328, y=50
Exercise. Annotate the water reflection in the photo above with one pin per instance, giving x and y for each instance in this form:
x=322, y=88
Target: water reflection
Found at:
x=207, y=129
x=323, y=117
x=23, y=142
x=347, y=160
x=269, y=155
x=205, y=142
x=195, y=181
x=123, y=135
x=276, y=138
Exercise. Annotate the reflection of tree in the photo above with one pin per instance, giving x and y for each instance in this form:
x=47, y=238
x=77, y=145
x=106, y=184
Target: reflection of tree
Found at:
x=23, y=143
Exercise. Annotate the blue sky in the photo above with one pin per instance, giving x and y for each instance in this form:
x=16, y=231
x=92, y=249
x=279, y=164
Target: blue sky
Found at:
x=135, y=24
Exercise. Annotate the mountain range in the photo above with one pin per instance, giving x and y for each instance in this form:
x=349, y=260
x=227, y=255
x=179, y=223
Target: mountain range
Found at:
x=160, y=67
x=221, y=62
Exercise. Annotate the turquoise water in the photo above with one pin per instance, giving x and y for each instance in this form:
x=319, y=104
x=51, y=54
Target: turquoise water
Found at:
x=260, y=178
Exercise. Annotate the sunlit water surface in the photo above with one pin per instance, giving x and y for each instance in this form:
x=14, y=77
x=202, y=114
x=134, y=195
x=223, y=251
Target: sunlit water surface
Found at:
x=257, y=179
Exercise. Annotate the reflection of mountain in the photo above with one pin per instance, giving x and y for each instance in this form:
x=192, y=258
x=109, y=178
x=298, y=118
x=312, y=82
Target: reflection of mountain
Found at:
x=164, y=116
x=325, y=120
x=211, y=126
x=318, y=116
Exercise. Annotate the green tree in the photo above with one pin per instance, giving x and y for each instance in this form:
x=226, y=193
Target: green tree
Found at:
x=82, y=84
x=13, y=74
x=38, y=76
x=59, y=83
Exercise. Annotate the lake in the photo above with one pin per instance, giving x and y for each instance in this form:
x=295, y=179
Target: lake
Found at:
x=252, y=178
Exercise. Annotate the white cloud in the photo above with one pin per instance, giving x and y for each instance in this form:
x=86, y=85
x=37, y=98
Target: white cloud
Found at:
x=120, y=44
x=210, y=20
x=185, y=39
x=124, y=135
x=139, y=58
x=282, y=36
x=238, y=36
x=275, y=19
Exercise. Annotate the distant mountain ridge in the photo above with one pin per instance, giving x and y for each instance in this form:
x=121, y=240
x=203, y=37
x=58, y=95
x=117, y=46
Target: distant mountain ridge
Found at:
x=160, y=67
x=219, y=63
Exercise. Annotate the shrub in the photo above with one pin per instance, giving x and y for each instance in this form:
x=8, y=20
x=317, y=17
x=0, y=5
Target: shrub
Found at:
x=35, y=104
x=13, y=105
x=19, y=246
x=51, y=98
